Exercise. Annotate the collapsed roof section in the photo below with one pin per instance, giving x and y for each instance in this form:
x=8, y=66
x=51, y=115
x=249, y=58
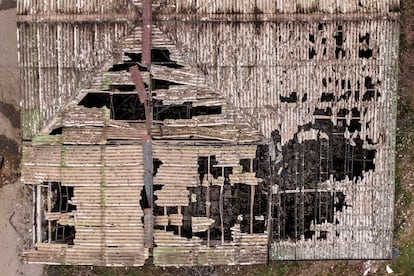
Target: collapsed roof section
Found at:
x=269, y=128
x=89, y=206
x=323, y=88
x=185, y=106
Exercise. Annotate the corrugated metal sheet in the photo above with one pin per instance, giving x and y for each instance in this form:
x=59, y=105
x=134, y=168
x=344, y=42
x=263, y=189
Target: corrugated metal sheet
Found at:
x=57, y=59
x=178, y=172
x=270, y=61
x=190, y=85
x=366, y=229
x=71, y=7
x=265, y=67
x=107, y=181
x=173, y=250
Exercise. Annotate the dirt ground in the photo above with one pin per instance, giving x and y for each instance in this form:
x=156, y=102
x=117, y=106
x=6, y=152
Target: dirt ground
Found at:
x=15, y=204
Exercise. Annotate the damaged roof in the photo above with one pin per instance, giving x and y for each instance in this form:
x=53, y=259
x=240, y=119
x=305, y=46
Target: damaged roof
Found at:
x=271, y=137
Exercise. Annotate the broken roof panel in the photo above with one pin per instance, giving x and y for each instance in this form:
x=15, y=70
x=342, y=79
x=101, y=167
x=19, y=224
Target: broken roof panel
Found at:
x=106, y=182
x=272, y=132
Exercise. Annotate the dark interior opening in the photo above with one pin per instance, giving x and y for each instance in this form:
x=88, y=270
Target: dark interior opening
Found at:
x=322, y=235
x=64, y=234
x=324, y=83
x=339, y=37
x=182, y=111
x=177, y=111
x=122, y=87
x=61, y=197
x=158, y=56
x=158, y=84
x=246, y=164
x=158, y=210
x=127, y=107
x=163, y=57
x=205, y=110
x=327, y=97
x=305, y=97
x=122, y=106
x=203, y=168
x=321, y=26
x=295, y=213
x=364, y=38
x=312, y=53
x=292, y=98
x=144, y=202
x=345, y=96
x=339, y=41
x=56, y=131
x=187, y=228
x=312, y=38
x=134, y=59
x=304, y=165
x=156, y=165
x=371, y=95
x=339, y=53
x=340, y=203
x=236, y=202
x=97, y=100
x=365, y=53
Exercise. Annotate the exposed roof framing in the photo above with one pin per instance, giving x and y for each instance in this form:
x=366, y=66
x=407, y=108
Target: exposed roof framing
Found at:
x=273, y=128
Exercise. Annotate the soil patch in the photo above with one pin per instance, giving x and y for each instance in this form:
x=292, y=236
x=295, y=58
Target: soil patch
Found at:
x=9, y=160
x=11, y=112
x=7, y=4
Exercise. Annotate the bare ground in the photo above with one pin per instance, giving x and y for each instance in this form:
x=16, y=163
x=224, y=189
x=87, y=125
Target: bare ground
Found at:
x=15, y=198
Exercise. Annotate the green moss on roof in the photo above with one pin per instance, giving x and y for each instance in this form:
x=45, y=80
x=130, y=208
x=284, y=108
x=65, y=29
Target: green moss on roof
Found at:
x=31, y=120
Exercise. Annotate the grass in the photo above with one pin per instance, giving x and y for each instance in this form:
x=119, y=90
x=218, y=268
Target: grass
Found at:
x=272, y=270
x=403, y=264
x=402, y=195
x=103, y=271
x=63, y=270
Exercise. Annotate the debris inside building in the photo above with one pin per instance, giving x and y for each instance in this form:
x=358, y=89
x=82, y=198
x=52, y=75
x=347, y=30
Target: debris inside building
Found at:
x=219, y=132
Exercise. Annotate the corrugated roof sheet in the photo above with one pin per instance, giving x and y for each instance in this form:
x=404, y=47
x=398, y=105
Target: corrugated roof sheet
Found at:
x=269, y=73
x=58, y=59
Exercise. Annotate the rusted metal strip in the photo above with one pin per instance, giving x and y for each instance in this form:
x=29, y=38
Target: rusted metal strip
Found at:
x=145, y=98
x=139, y=83
x=221, y=212
x=49, y=210
x=148, y=228
x=146, y=32
x=252, y=194
x=38, y=214
x=148, y=168
x=147, y=155
x=142, y=94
